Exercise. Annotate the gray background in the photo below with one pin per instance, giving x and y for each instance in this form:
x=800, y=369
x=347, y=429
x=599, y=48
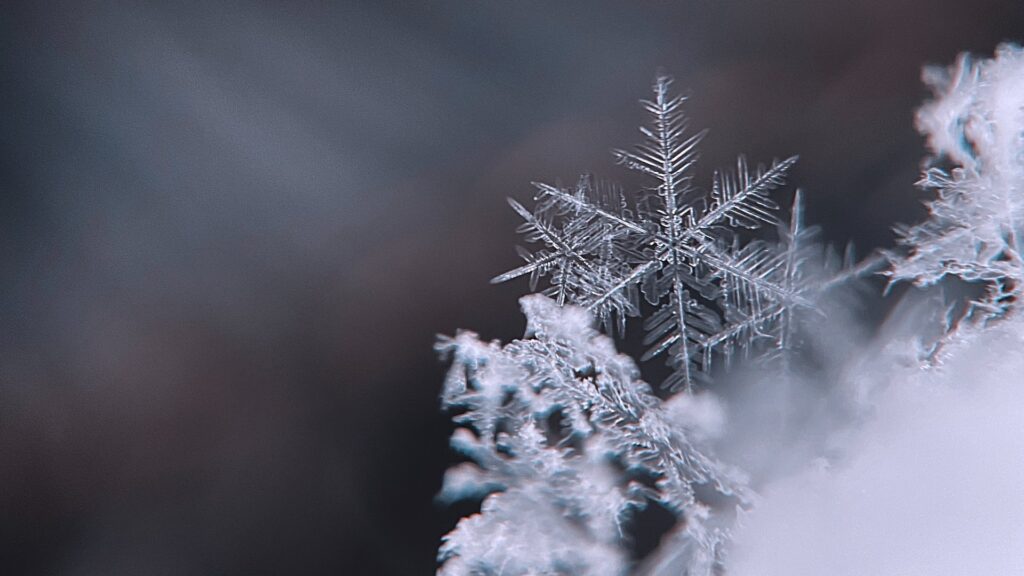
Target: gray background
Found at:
x=230, y=232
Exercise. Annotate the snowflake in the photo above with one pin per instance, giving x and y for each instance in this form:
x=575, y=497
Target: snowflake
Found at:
x=714, y=292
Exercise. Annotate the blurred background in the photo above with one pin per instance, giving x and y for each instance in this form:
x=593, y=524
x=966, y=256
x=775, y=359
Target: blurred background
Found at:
x=231, y=232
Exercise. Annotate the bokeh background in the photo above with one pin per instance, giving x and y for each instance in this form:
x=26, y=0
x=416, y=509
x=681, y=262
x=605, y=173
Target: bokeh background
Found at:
x=231, y=231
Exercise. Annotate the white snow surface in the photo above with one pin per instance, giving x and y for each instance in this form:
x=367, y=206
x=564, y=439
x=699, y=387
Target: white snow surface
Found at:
x=932, y=484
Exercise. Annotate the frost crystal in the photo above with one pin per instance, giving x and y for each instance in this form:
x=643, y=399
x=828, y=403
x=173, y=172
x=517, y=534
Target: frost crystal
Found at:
x=566, y=442
x=975, y=126
x=715, y=291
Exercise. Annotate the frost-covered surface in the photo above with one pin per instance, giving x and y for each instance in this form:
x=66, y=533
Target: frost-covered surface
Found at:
x=975, y=125
x=566, y=442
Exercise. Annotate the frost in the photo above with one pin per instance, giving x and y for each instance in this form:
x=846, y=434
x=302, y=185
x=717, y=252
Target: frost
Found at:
x=716, y=291
x=567, y=442
x=974, y=231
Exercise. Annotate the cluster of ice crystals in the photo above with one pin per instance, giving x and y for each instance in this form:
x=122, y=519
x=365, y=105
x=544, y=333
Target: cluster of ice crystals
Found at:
x=565, y=442
x=975, y=129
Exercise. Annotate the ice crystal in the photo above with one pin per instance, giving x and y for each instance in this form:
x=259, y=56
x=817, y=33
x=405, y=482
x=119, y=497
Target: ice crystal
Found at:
x=716, y=292
x=975, y=129
x=566, y=442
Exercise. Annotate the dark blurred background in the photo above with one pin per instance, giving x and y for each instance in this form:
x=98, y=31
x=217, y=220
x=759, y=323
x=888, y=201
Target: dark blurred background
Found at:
x=231, y=231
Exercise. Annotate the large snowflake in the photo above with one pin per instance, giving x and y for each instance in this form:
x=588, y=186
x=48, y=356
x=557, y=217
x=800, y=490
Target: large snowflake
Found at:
x=715, y=291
